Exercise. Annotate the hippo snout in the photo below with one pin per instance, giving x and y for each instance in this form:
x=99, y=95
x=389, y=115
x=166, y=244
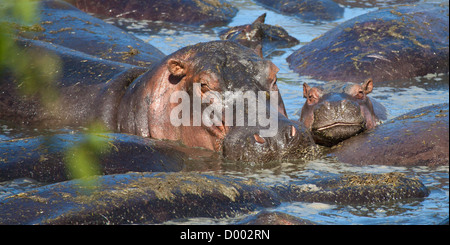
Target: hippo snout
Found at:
x=246, y=143
x=337, y=111
x=336, y=120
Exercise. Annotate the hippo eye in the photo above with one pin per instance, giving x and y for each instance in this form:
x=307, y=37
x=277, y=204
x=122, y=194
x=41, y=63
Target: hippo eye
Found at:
x=205, y=87
x=312, y=98
x=360, y=94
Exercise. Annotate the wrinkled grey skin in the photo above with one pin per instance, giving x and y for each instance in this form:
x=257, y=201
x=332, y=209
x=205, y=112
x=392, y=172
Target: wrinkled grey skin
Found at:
x=290, y=143
x=417, y=138
x=337, y=111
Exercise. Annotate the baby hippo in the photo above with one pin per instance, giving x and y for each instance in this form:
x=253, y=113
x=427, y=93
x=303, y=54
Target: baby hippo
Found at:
x=337, y=111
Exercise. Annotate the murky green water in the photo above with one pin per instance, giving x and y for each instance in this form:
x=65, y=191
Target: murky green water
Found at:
x=399, y=97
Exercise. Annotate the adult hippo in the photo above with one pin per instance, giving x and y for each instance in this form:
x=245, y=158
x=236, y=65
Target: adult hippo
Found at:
x=221, y=69
x=149, y=198
x=337, y=111
x=191, y=12
x=420, y=137
x=392, y=43
x=142, y=105
x=260, y=35
x=307, y=10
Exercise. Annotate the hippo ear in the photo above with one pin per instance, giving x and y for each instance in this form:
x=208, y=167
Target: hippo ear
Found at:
x=306, y=89
x=260, y=19
x=367, y=86
x=176, y=67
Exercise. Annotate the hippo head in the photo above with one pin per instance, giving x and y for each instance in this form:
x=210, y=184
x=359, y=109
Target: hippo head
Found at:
x=338, y=111
x=260, y=36
x=192, y=95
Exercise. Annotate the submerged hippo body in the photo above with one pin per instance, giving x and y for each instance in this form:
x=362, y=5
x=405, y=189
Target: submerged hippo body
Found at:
x=420, y=137
x=89, y=89
x=398, y=42
x=63, y=24
x=45, y=158
x=148, y=198
x=89, y=78
x=192, y=12
x=337, y=111
x=307, y=10
x=267, y=36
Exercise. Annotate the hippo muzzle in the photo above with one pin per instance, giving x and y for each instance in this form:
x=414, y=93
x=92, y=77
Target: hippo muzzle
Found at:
x=337, y=118
x=292, y=141
x=337, y=111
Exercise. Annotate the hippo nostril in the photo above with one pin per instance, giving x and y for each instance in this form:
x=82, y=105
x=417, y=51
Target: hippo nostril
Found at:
x=293, y=131
x=259, y=139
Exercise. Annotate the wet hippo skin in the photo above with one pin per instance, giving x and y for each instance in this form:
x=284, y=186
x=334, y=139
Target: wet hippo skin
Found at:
x=44, y=158
x=420, y=137
x=150, y=198
x=62, y=24
x=259, y=36
x=191, y=12
x=397, y=42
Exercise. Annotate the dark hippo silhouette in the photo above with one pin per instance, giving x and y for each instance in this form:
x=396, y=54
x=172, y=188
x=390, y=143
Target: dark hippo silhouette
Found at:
x=44, y=158
x=307, y=10
x=388, y=44
x=337, y=111
x=191, y=12
x=420, y=137
x=63, y=24
x=258, y=34
x=92, y=89
x=157, y=197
